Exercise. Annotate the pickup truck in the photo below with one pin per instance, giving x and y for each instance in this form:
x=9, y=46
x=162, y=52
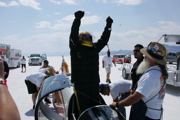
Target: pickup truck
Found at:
x=36, y=59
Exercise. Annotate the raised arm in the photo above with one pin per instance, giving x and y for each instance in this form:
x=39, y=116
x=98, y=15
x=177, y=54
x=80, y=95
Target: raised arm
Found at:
x=74, y=39
x=105, y=35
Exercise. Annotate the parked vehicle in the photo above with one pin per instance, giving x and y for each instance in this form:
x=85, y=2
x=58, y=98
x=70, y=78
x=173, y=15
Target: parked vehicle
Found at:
x=44, y=57
x=121, y=58
x=172, y=57
x=35, y=59
x=64, y=106
x=172, y=69
x=15, y=58
x=126, y=70
x=12, y=56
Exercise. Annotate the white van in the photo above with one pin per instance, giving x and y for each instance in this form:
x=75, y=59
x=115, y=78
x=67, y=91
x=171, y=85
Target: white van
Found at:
x=15, y=58
x=11, y=56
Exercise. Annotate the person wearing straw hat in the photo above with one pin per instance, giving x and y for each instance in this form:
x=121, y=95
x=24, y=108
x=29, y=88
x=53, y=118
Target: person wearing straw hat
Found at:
x=33, y=82
x=147, y=99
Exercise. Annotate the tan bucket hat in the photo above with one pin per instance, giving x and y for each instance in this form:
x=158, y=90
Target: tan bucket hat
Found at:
x=157, y=52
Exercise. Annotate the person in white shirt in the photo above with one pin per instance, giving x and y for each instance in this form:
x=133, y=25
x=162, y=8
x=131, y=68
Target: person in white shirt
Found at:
x=148, y=98
x=118, y=90
x=23, y=64
x=107, y=64
x=33, y=82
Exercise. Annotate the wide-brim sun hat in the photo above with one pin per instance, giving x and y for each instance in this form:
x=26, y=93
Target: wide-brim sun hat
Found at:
x=50, y=71
x=157, y=52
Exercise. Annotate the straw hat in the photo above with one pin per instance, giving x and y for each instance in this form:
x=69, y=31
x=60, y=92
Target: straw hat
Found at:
x=157, y=52
x=50, y=71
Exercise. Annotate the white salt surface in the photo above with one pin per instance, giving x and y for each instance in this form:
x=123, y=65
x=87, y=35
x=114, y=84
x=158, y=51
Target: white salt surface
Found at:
x=23, y=100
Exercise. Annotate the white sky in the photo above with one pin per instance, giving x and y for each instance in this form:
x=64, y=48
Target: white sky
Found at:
x=43, y=26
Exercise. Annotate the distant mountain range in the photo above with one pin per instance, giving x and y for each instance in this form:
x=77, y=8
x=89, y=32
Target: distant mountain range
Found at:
x=168, y=47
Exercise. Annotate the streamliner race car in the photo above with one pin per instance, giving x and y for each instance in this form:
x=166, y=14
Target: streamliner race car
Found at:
x=64, y=107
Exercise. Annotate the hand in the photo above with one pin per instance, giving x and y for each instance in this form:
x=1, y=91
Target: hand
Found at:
x=113, y=104
x=109, y=20
x=79, y=14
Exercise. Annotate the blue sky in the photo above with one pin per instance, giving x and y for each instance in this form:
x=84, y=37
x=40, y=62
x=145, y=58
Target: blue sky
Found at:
x=43, y=26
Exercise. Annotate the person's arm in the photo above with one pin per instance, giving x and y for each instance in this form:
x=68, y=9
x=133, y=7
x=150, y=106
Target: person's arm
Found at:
x=116, y=99
x=114, y=63
x=6, y=69
x=74, y=38
x=130, y=100
x=103, y=63
x=8, y=108
x=37, y=88
x=105, y=35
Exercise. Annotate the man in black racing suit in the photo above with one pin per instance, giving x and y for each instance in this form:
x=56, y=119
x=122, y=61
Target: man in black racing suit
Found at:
x=85, y=62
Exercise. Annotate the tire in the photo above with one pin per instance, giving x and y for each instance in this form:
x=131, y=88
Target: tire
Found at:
x=18, y=65
x=124, y=74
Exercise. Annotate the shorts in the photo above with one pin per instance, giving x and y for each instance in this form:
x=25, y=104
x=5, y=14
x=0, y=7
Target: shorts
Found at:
x=23, y=65
x=30, y=87
x=108, y=69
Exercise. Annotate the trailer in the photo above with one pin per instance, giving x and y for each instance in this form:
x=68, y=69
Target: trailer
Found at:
x=15, y=58
x=11, y=56
x=172, y=69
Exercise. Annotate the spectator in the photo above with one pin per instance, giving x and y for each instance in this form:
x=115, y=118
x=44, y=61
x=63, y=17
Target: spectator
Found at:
x=42, y=69
x=107, y=64
x=147, y=99
x=85, y=62
x=64, y=67
x=119, y=90
x=45, y=65
x=2, y=57
x=33, y=82
x=23, y=63
x=6, y=69
x=139, y=56
x=8, y=110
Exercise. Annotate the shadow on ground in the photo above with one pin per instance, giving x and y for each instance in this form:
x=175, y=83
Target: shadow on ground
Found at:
x=173, y=90
x=30, y=113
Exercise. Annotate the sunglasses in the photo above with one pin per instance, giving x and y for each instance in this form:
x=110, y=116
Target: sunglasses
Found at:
x=136, y=50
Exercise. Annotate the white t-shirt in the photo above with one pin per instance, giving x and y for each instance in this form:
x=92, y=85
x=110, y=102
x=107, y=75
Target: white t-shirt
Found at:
x=149, y=85
x=107, y=61
x=23, y=61
x=118, y=87
x=36, y=78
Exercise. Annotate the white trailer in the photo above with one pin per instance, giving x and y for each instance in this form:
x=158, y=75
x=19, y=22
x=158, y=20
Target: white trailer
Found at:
x=173, y=69
x=15, y=58
x=11, y=56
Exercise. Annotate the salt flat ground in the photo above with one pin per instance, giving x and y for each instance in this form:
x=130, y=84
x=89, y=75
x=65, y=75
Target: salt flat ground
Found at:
x=19, y=93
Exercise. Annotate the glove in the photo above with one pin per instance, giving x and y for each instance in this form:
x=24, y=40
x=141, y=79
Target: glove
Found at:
x=79, y=14
x=109, y=20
